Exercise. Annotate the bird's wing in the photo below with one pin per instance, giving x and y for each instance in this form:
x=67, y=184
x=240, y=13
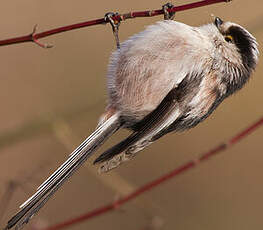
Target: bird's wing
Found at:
x=159, y=119
x=167, y=116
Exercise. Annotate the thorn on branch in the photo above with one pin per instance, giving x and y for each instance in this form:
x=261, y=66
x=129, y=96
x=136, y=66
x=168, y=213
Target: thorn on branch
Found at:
x=36, y=41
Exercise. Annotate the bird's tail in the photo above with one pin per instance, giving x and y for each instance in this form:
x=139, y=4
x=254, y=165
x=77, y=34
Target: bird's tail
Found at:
x=75, y=160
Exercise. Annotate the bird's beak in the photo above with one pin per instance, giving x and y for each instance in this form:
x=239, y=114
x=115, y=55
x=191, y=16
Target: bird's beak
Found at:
x=218, y=22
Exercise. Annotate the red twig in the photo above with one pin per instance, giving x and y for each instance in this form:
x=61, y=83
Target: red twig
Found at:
x=33, y=37
x=185, y=167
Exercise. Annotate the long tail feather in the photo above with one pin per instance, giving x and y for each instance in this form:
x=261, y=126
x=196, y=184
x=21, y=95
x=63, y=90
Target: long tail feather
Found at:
x=52, y=184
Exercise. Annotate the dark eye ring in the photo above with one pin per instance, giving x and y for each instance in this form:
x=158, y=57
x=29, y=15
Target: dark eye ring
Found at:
x=229, y=38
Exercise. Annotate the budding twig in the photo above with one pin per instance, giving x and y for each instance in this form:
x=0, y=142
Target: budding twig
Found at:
x=33, y=37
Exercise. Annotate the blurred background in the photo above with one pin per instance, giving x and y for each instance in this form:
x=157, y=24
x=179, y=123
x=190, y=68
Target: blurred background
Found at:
x=51, y=100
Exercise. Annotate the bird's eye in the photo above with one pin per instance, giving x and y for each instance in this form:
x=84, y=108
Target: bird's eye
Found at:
x=229, y=38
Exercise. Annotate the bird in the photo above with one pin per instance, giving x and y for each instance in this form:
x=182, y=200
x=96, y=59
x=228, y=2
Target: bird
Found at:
x=167, y=78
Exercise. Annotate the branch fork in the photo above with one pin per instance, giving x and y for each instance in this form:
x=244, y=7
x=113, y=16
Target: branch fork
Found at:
x=34, y=38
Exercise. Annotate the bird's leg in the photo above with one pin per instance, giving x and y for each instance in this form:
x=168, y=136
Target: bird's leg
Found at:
x=109, y=17
x=168, y=15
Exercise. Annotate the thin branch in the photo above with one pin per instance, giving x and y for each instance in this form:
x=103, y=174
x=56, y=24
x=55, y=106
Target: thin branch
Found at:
x=33, y=37
x=147, y=187
x=6, y=198
x=13, y=185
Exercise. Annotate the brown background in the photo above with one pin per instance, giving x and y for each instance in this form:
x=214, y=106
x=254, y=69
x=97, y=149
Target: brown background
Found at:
x=51, y=99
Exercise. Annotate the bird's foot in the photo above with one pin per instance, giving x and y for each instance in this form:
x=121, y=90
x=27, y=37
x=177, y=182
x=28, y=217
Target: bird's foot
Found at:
x=168, y=15
x=115, y=24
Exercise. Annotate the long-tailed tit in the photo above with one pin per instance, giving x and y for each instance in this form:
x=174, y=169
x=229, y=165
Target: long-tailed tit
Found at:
x=167, y=78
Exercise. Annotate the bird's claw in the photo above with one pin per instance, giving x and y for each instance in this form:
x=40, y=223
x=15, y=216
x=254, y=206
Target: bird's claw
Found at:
x=111, y=18
x=168, y=15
